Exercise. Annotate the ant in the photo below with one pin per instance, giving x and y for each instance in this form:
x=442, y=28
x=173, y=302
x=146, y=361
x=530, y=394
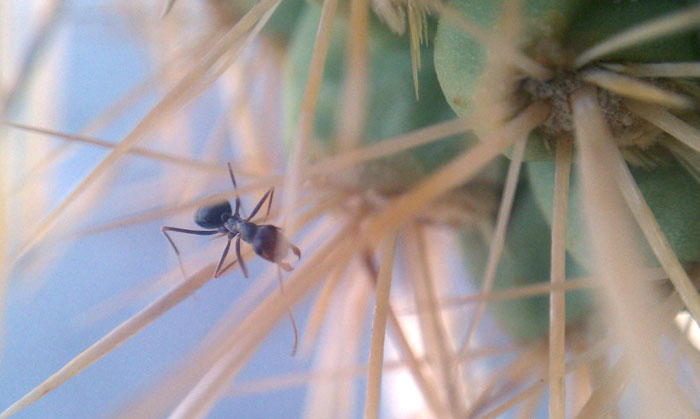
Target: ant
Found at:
x=267, y=240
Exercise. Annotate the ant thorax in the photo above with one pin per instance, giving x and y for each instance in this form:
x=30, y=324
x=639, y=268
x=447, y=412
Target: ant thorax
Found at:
x=246, y=229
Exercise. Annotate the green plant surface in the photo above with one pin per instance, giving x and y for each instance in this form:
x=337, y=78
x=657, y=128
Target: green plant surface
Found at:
x=572, y=26
x=460, y=58
x=393, y=108
x=525, y=261
x=671, y=193
x=595, y=21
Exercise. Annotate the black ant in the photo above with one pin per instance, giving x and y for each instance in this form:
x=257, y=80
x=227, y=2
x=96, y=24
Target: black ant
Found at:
x=267, y=240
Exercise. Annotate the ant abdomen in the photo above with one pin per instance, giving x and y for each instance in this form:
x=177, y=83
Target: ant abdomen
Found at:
x=210, y=216
x=265, y=243
x=270, y=244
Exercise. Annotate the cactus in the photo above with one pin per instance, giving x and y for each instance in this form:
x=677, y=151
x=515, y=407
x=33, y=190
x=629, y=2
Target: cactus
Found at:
x=388, y=228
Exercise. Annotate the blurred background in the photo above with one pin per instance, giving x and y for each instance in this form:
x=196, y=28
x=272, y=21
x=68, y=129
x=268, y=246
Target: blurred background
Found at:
x=94, y=68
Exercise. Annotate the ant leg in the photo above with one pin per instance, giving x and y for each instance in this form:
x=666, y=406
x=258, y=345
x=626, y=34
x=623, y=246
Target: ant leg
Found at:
x=260, y=203
x=186, y=231
x=269, y=204
x=235, y=188
x=219, y=236
x=223, y=258
x=240, y=258
x=227, y=267
x=289, y=313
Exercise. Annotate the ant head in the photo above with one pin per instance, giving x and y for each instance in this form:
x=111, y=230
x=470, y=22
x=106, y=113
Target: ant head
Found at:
x=212, y=216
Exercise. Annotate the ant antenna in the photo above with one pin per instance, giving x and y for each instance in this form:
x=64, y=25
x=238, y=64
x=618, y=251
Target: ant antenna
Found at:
x=289, y=313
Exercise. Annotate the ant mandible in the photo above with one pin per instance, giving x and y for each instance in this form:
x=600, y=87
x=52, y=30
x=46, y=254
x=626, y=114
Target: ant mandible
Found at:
x=267, y=240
